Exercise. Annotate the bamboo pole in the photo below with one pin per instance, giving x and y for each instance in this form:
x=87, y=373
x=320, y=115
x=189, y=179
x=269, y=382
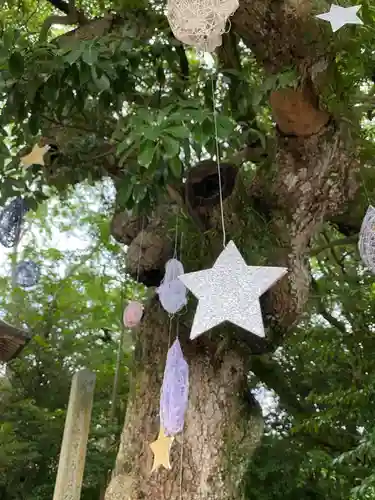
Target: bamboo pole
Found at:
x=73, y=449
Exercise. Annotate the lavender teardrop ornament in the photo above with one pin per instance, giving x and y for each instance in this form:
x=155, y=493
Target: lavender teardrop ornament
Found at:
x=172, y=292
x=174, y=391
x=11, y=219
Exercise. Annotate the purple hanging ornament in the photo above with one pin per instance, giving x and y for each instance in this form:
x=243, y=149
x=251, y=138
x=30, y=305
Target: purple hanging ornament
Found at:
x=174, y=391
x=27, y=274
x=172, y=292
x=11, y=219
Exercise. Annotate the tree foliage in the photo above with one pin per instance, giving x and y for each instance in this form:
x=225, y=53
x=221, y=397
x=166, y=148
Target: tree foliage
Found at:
x=74, y=314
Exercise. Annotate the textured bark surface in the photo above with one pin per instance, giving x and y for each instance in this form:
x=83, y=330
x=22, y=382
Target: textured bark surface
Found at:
x=223, y=423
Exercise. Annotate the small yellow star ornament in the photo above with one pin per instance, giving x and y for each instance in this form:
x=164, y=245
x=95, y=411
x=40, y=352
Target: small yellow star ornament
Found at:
x=161, y=449
x=35, y=157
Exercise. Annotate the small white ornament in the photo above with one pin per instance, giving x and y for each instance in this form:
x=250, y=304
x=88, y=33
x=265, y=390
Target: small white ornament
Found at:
x=366, y=243
x=230, y=291
x=172, y=292
x=339, y=16
x=200, y=22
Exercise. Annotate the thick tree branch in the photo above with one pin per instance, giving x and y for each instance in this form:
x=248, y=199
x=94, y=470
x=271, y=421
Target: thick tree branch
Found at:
x=73, y=16
x=269, y=372
x=327, y=315
x=342, y=242
x=60, y=5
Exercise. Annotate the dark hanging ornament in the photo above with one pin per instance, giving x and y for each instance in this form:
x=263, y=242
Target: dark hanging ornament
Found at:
x=27, y=274
x=11, y=219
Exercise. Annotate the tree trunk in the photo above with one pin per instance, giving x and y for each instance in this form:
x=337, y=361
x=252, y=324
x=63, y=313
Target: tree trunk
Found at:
x=223, y=424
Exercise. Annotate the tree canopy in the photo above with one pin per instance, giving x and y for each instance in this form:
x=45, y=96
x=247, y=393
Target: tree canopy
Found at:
x=127, y=113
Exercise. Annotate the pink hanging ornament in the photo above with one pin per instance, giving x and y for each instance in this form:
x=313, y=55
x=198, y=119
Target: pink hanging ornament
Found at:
x=133, y=314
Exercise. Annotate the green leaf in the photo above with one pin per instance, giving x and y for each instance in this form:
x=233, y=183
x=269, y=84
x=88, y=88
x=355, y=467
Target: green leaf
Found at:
x=176, y=167
x=146, y=153
x=124, y=192
x=171, y=146
x=224, y=126
x=208, y=129
x=103, y=82
x=34, y=124
x=16, y=64
x=151, y=133
x=179, y=132
x=72, y=56
x=89, y=55
x=139, y=192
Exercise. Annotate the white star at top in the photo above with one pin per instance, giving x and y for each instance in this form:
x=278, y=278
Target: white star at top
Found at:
x=230, y=291
x=339, y=16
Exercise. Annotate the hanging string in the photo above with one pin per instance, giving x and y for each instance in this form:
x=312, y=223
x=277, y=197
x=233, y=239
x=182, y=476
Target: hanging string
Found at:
x=218, y=161
x=133, y=312
x=172, y=292
x=170, y=331
x=140, y=248
x=176, y=239
x=182, y=435
x=181, y=462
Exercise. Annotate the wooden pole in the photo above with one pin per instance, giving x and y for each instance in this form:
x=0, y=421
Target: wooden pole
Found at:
x=73, y=449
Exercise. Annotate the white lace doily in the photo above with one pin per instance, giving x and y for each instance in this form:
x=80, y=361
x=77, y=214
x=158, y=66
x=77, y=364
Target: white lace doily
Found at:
x=200, y=22
x=366, y=243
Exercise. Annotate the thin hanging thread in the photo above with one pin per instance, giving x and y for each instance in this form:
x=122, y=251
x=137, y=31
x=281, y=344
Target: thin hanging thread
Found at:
x=182, y=436
x=170, y=331
x=181, y=462
x=175, y=239
x=218, y=162
x=140, y=249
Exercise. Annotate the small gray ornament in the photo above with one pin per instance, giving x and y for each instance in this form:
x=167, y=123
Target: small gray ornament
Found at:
x=27, y=274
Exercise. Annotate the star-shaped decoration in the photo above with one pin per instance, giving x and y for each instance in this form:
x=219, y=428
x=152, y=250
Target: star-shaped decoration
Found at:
x=339, y=16
x=230, y=291
x=161, y=449
x=35, y=157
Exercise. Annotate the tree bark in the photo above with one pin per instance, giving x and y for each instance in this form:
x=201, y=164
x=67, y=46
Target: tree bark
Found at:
x=223, y=424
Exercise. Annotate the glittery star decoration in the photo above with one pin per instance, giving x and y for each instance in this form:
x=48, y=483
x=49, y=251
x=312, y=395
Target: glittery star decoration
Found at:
x=230, y=291
x=339, y=16
x=35, y=157
x=161, y=449
x=366, y=242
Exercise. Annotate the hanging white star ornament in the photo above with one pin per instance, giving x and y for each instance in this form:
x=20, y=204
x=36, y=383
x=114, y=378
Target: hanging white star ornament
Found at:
x=339, y=16
x=230, y=291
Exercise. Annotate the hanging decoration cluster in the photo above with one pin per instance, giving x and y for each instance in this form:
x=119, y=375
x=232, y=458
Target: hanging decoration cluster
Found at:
x=200, y=23
x=174, y=392
x=231, y=289
x=27, y=272
x=11, y=219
